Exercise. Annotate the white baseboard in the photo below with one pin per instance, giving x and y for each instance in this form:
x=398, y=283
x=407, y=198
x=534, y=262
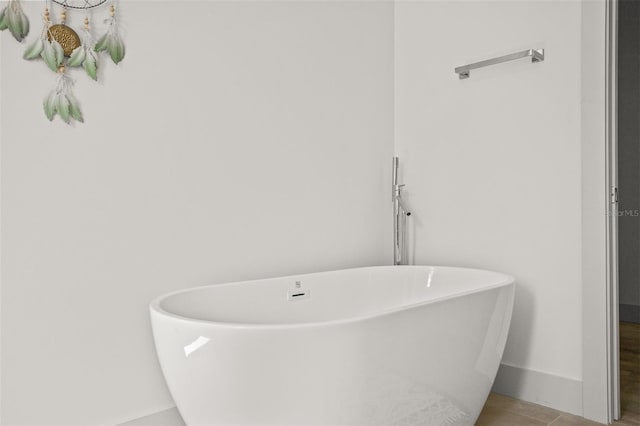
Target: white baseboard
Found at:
x=169, y=417
x=552, y=391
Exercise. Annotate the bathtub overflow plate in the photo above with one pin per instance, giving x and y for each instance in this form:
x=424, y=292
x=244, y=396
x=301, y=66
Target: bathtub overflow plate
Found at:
x=298, y=293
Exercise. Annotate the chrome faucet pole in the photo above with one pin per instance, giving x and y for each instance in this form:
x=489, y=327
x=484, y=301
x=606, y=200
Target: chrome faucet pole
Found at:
x=394, y=169
x=395, y=190
x=400, y=214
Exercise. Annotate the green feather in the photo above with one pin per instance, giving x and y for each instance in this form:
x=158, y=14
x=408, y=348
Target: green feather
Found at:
x=3, y=22
x=34, y=50
x=74, y=109
x=77, y=57
x=50, y=106
x=115, y=46
x=63, y=107
x=101, y=44
x=25, y=24
x=90, y=66
x=15, y=23
x=59, y=52
x=49, y=56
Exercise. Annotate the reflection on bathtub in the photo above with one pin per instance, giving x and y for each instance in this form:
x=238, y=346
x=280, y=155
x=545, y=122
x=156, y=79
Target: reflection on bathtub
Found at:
x=399, y=400
x=195, y=345
x=430, y=276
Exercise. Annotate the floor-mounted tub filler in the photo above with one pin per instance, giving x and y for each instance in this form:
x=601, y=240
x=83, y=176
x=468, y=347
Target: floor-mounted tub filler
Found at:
x=409, y=345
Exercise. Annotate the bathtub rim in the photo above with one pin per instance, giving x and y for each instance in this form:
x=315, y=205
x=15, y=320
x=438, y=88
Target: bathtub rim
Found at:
x=156, y=309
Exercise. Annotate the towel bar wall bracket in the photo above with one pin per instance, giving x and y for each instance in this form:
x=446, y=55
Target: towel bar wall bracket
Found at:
x=536, y=55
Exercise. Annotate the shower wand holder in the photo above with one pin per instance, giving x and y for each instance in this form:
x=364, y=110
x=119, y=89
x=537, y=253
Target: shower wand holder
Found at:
x=400, y=215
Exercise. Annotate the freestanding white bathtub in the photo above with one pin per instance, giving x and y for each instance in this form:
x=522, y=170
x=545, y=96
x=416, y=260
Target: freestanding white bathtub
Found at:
x=405, y=345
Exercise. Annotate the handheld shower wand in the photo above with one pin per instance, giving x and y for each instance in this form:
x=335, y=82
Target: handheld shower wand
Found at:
x=400, y=214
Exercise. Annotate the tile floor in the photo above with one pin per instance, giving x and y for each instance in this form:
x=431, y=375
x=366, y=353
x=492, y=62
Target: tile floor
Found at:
x=503, y=411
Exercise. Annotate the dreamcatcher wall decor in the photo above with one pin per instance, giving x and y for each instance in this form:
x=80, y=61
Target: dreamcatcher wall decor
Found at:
x=60, y=47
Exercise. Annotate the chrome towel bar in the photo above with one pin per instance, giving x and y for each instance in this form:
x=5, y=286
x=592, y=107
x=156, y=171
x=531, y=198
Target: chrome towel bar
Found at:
x=537, y=55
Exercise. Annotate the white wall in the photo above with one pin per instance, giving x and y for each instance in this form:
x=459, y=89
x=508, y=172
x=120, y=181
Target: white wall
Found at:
x=237, y=140
x=492, y=166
